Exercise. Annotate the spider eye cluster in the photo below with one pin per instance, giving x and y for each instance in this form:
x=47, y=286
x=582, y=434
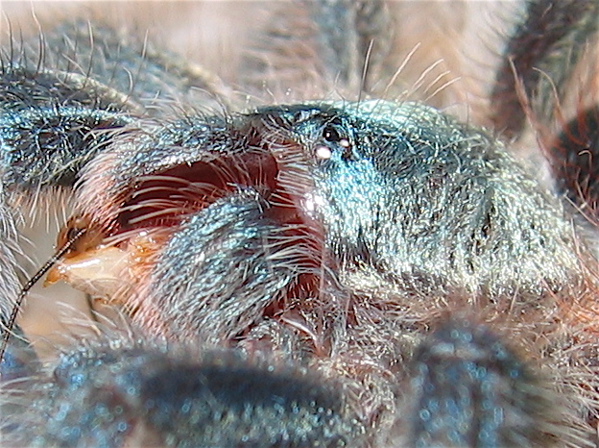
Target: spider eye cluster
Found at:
x=335, y=138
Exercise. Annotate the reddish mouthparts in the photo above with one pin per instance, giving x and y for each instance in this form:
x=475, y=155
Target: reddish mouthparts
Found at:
x=158, y=204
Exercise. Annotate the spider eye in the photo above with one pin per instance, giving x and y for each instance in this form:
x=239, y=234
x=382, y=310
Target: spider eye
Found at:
x=334, y=138
x=331, y=134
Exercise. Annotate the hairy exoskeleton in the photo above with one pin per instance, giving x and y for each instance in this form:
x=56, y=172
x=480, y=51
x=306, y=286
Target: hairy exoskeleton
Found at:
x=325, y=273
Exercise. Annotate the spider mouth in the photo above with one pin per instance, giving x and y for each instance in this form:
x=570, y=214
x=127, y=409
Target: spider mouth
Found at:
x=116, y=259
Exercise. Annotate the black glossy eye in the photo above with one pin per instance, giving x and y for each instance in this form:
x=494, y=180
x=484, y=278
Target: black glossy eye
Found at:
x=331, y=134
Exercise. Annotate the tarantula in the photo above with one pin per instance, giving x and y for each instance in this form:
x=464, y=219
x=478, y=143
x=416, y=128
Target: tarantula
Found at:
x=347, y=261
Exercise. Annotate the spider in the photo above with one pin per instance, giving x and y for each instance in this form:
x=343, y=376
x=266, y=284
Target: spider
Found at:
x=329, y=253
